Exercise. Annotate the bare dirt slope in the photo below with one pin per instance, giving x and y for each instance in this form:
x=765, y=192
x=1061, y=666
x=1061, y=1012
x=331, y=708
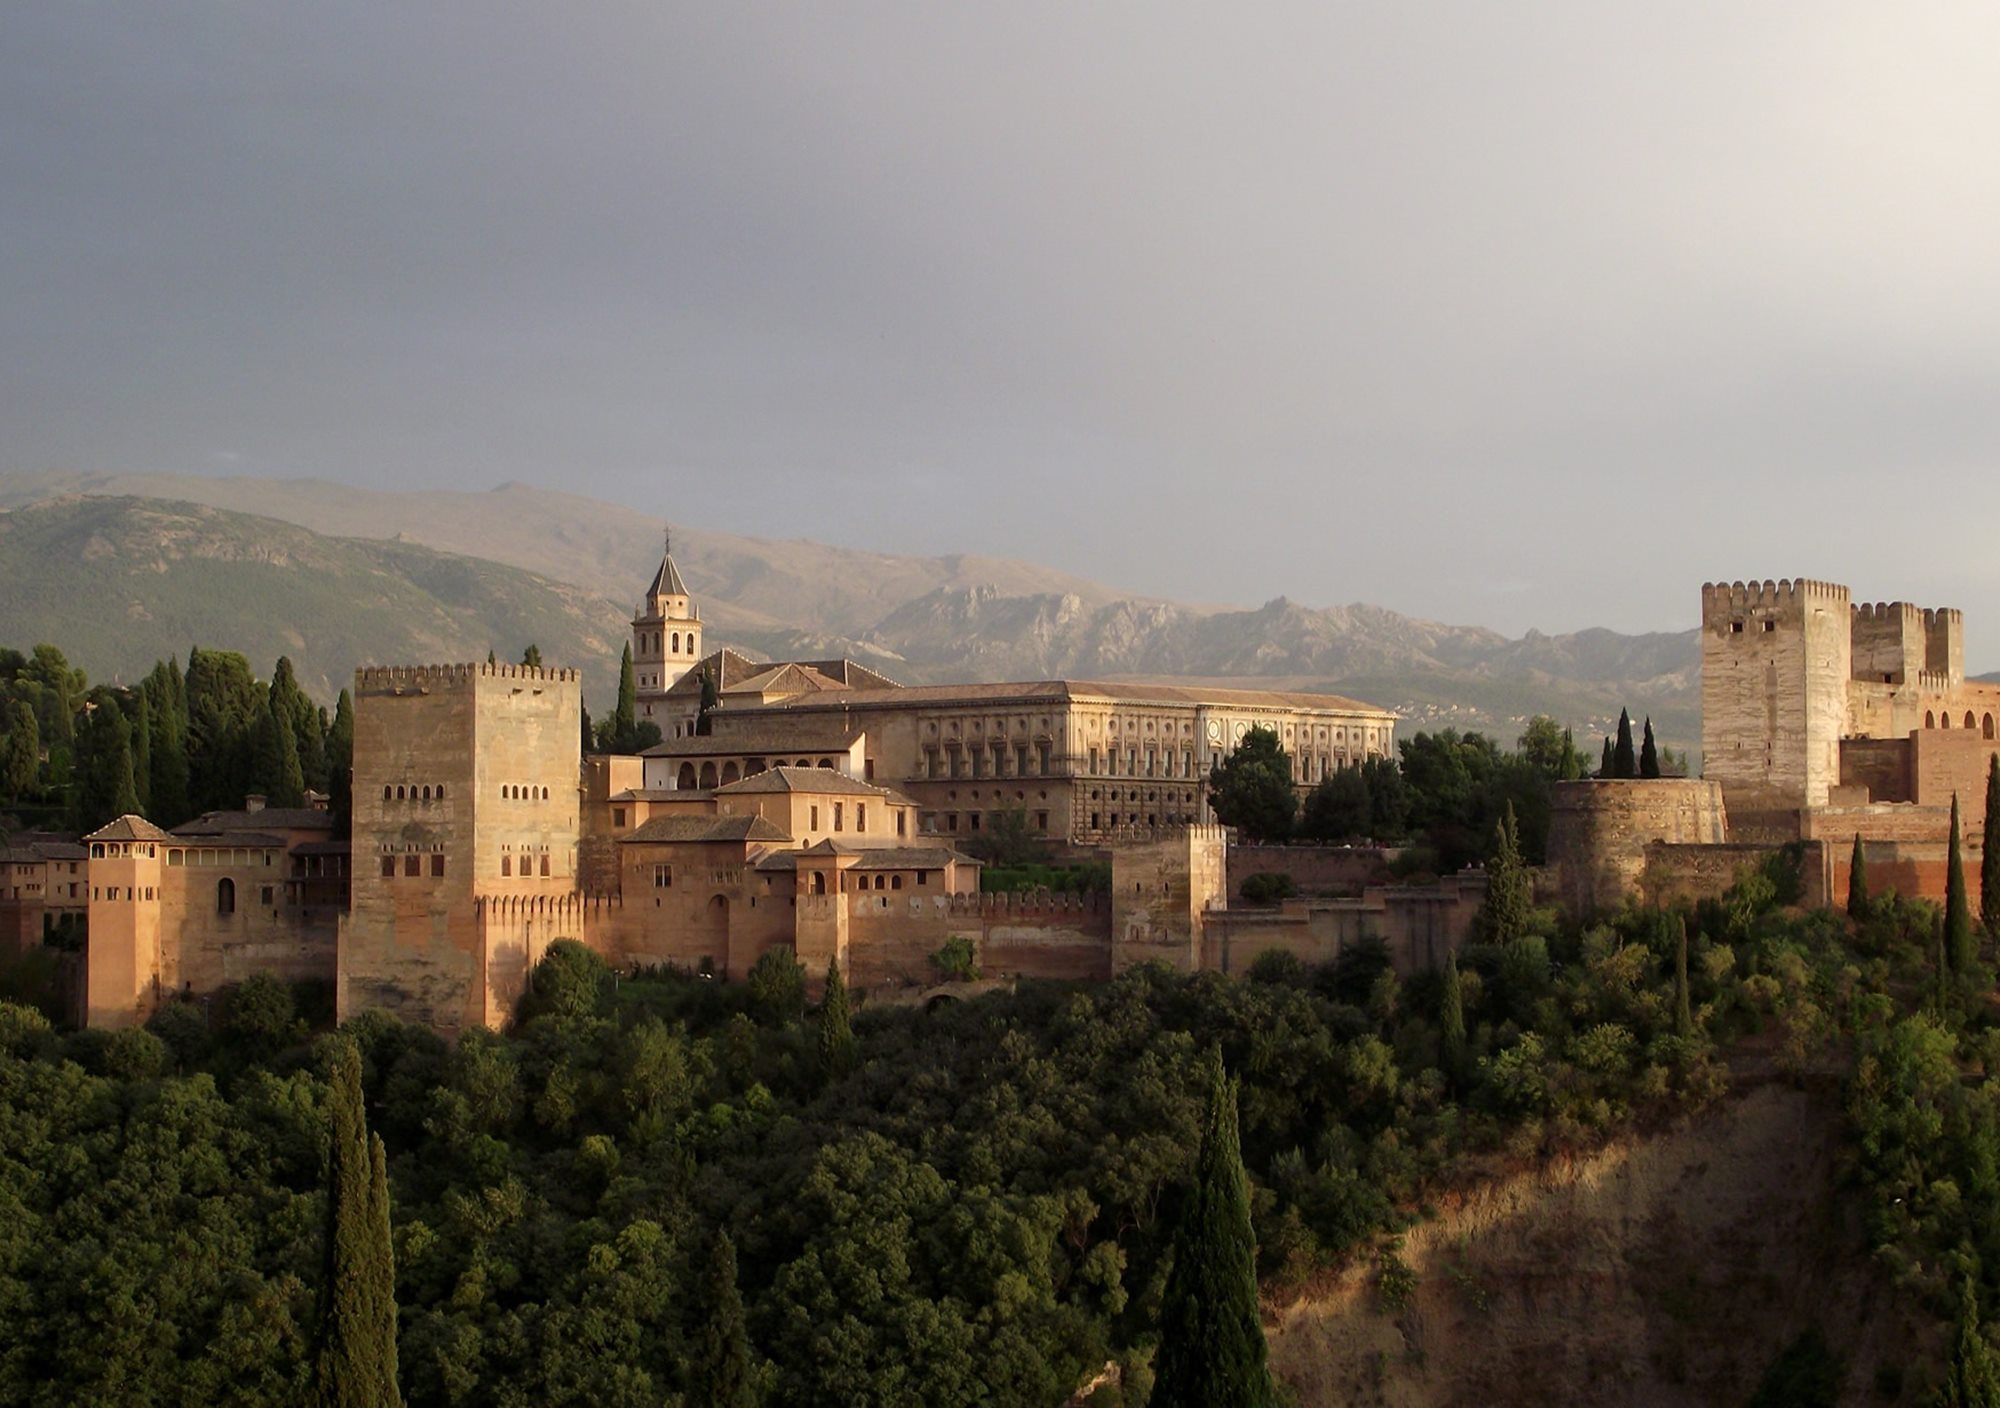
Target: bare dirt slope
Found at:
x=1668, y=1270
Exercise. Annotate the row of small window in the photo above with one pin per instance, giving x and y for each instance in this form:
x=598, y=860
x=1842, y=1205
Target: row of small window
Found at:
x=948, y=821
x=516, y=793
x=1736, y=627
x=1984, y=723
x=412, y=864
x=1165, y=766
x=410, y=792
x=225, y=894
x=973, y=762
x=1100, y=821
x=858, y=883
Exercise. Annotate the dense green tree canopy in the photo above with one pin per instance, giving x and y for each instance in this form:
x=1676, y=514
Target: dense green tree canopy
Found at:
x=1252, y=788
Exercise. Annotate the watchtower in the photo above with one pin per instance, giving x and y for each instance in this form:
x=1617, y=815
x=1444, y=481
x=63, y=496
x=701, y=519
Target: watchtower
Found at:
x=1776, y=658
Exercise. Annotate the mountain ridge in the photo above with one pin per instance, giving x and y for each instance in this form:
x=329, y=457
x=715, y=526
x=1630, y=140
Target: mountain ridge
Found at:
x=930, y=619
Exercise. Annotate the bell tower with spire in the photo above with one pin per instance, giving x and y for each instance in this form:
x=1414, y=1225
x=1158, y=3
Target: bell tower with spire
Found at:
x=666, y=634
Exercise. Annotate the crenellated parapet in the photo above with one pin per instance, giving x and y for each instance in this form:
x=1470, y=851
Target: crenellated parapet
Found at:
x=1028, y=904
x=390, y=679
x=1786, y=596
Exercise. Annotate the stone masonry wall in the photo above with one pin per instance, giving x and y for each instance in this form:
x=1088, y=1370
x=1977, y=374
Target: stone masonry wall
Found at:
x=1599, y=831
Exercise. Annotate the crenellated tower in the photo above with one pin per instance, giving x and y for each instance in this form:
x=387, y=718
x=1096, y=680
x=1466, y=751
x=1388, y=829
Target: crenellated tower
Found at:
x=1776, y=658
x=666, y=634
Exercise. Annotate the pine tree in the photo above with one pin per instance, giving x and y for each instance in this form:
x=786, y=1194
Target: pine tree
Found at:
x=1649, y=753
x=1212, y=1352
x=1504, y=916
x=836, y=1026
x=340, y=766
x=1451, y=1018
x=1605, y=765
x=1683, y=1010
x=624, y=718
x=720, y=1374
x=1989, y=856
x=356, y=1366
x=1960, y=944
x=1972, y=1379
x=532, y=657
x=1622, y=763
x=1857, y=882
x=22, y=767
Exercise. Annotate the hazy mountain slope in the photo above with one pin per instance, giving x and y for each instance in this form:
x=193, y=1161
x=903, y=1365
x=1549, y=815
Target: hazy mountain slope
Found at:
x=745, y=584
x=937, y=619
x=120, y=582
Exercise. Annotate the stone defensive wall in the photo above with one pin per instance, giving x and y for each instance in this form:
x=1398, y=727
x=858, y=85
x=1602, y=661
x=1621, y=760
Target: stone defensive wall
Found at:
x=1599, y=831
x=1682, y=873
x=1420, y=924
x=1323, y=870
x=386, y=679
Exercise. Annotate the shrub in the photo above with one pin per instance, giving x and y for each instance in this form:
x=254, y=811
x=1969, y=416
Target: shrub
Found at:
x=1268, y=887
x=957, y=960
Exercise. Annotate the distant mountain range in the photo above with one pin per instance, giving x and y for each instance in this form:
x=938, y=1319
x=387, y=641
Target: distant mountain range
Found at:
x=120, y=569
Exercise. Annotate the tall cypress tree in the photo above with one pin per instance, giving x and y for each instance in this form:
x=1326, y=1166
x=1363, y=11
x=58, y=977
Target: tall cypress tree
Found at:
x=720, y=1374
x=167, y=789
x=21, y=769
x=1972, y=1379
x=1504, y=916
x=1622, y=761
x=142, y=751
x=1607, y=762
x=340, y=766
x=1857, y=882
x=625, y=718
x=1212, y=1352
x=1649, y=753
x=356, y=1366
x=1960, y=944
x=1451, y=1019
x=1683, y=1009
x=1989, y=855
x=589, y=744
x=836, y=1025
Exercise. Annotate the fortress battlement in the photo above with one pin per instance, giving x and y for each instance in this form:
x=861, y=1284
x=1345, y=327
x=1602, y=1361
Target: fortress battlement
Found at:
x=378, y=679
x=1943, y=616
x=1784, y=594
x=1881, y=611
x=511, y=906
x=1023, y=903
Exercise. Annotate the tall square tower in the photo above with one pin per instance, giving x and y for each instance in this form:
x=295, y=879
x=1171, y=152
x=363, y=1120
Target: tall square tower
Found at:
x=1775, y=662
x=465, y=798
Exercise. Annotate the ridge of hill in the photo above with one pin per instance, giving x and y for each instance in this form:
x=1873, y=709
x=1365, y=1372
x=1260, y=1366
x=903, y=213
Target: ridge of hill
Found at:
x=925, y=619
x=120, y=582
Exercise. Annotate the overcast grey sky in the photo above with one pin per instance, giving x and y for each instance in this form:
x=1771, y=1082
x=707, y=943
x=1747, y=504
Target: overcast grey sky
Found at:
x=1524, y=315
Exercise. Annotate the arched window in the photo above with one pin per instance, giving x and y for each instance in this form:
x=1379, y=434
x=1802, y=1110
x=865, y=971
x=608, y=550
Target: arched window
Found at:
x=387, y=792
x=1930, y=719
x=1944, y=719
x=545, y=794
x=1986, y=726
x=677, y=642
x=819, y=882
x=685, y=782
x=1968, y=718
x=427, y=794
x=440, y=792
x=399, y=794
x=225, y=896
x=708, y=774
x=731, y=773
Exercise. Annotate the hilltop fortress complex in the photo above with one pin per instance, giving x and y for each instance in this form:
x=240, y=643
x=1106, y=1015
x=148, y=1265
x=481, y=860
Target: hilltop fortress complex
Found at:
x=811, y=805
x=818, y=806
x=1823, y=719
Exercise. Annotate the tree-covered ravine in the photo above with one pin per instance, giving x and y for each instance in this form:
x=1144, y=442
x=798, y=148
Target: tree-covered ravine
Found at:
x=656, y=1189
